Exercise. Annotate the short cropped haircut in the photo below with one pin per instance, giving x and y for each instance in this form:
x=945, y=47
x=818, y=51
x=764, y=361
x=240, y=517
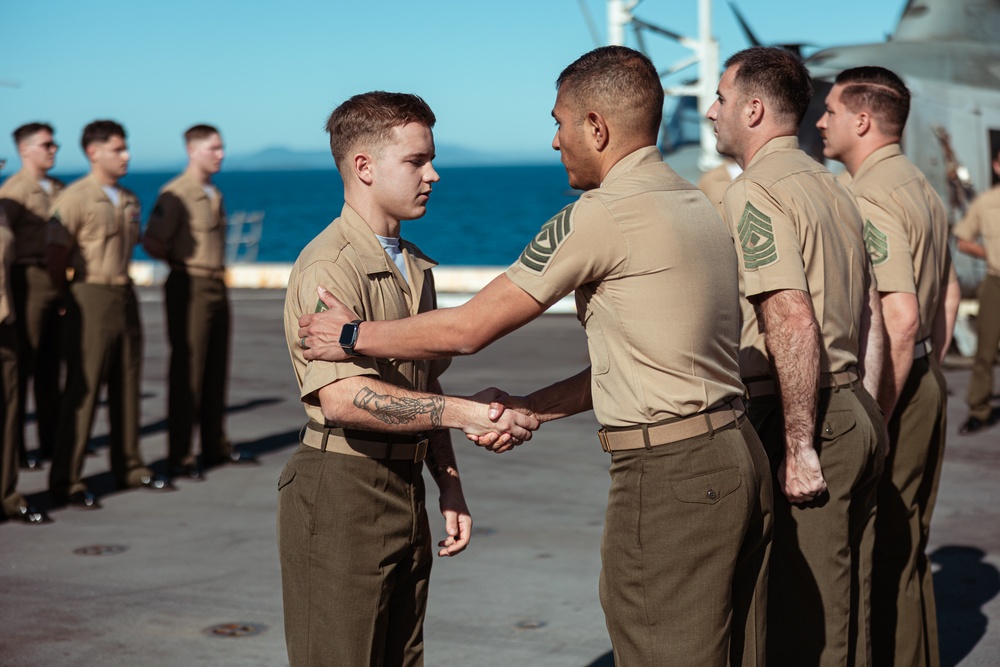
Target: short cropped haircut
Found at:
x=879, y=92
x=199, y=132
x=619, y=83
x=775, y=75
x=99, y=132
x=29, y=130
x=367, y=120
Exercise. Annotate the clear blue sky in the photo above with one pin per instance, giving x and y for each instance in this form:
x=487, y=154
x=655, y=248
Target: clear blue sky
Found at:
x=269, y=73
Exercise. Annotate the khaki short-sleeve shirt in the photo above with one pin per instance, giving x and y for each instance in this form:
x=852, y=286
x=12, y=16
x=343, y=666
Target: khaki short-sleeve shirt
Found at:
x=99, y=235
x=983, y=219
x=905, y=230
x=655, y=278
x=797, y=228
x=714, y=184
x=191, y=224
x=348, y=260
x=28, y=207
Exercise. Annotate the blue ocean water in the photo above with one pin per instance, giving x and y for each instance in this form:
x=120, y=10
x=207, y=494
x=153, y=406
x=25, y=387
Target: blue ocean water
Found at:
x=477, y=216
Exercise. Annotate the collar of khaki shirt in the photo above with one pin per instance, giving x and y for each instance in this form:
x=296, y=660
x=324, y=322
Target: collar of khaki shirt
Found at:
x=884, y=153
x=630, y=161
x=773, y=146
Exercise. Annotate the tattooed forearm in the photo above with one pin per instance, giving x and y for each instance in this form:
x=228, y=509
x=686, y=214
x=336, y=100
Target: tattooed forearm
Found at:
x=440, y=454
x=399, y=409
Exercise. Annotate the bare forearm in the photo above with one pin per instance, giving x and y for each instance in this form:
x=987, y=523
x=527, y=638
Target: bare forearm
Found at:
x=367, y=403
x=901, y=324
x=501, y=307
x=872, y=343
x=564, y=398
x=794, y=351
x=792, y=338
x=944, y=319
x=971, y=248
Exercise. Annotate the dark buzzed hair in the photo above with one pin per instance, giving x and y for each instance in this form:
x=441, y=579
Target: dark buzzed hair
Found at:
x=29, y=130
x=775, y=75
x=878, y=91
x=199, y=132
x=619, y=83
x=368, y=119
x=99, y=132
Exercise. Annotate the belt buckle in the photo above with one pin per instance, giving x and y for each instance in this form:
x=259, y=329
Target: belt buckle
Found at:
x=420, y=453
x=602, y=435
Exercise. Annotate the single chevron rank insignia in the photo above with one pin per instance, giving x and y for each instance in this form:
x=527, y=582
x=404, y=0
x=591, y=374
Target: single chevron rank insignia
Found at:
x=876, y=243
x=538, y=253
x=756, y=239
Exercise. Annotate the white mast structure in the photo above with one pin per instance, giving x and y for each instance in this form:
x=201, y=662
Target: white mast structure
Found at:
x=705, y=54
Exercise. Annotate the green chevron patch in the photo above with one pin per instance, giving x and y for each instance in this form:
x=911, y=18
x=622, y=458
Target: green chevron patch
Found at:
x=756, y=239
x=538, y=253
x=876, y=243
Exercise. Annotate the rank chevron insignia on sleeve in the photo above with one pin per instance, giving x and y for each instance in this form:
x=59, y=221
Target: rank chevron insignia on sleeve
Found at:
x=756, y=238
x=541, y=249
x=876, y=243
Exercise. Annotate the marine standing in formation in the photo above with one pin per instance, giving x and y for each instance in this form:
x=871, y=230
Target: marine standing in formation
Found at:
x=353, y=533
x=94, y=226
x=983, y=220
x=906, y=234
x=809, y=305
x=13, y=505
x=27, y=199
x=187, y=229
x=686, y=468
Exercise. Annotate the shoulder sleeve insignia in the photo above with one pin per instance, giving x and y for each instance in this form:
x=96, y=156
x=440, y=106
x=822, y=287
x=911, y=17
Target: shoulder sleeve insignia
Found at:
x=756, y=238
x=538, y=253
x=876, y=243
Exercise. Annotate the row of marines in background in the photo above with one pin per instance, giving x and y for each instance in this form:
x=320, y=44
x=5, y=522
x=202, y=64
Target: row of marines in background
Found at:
x=846, y=303
x=66, y=299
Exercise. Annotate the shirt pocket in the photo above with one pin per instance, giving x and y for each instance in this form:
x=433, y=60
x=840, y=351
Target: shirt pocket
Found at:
x=708, y=489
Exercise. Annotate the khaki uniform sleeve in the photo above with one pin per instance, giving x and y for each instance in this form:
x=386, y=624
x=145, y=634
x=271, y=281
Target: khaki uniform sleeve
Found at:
x=65, y=223
x=766, y=240
x=166, y=219
x=888, y=248
x=11, y=203
x=340, y=280
x=579, y=245
x=971, y=226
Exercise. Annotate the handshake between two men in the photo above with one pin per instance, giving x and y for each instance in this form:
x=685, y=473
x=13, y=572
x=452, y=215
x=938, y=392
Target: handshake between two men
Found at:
x=492, y=418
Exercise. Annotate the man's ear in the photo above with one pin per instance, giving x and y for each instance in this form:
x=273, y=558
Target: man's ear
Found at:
x=754, y=111
x=862, y=123
x=91, y=151
x=597, y=125
x=363, y=164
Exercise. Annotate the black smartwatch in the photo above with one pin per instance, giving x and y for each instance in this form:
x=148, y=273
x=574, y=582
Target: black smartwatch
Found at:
x=349, y=338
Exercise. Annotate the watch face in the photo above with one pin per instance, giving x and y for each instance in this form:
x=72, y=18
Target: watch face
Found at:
x=348, y=335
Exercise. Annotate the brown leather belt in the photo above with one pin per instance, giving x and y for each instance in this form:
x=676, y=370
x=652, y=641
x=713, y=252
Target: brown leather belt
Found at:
x=768, y=387
x=922, y=348
x=648, y=436
x=368, y=444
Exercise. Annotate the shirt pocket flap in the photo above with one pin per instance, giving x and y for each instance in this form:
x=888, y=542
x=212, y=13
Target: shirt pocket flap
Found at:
x=287, y=475
x=836, y=424
x=708, y=489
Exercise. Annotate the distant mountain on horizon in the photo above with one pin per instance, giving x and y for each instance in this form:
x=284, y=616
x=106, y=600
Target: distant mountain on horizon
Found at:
x=281, y=158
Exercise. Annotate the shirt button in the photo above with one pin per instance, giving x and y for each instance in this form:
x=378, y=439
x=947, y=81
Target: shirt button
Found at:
x=711, y=494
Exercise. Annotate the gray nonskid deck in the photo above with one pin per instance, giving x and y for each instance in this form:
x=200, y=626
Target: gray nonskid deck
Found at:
x=181, y=563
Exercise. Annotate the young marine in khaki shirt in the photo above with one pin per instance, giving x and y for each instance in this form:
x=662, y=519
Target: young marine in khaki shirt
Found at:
x=27, y=198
